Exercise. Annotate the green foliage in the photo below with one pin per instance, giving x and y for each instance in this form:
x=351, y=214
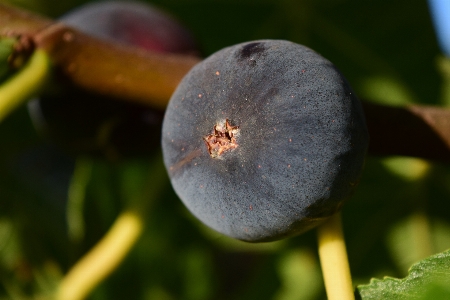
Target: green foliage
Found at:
x=6, y=49
x=398, y=216
x=427, y=279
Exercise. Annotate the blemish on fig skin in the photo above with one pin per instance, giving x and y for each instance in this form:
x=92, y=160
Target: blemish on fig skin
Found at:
x=187, y=159
x=222, y=139
x=251, y=49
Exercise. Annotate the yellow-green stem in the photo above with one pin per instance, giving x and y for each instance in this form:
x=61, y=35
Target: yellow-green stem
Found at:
x=334, y=261
x=25, y=84
x=103, y=258
x=110, y=251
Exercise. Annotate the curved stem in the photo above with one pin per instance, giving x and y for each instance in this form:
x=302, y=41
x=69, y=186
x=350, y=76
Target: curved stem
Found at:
x=103, y=258
x=334, y=261
x=25, y=84
x=109, y=252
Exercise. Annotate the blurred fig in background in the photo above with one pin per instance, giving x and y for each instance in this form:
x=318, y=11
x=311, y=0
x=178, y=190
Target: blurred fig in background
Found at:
x=83, y=122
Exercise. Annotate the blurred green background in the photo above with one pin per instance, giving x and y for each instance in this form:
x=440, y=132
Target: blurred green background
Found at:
x=399, y=214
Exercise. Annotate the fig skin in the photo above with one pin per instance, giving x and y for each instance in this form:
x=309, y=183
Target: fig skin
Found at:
x=302, y=140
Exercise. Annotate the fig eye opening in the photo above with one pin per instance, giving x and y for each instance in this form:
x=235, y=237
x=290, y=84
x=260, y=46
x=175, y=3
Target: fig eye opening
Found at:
x=222, y=139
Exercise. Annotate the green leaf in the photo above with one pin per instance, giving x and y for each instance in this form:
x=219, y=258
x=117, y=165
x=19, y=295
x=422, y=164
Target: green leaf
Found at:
x=427, y=279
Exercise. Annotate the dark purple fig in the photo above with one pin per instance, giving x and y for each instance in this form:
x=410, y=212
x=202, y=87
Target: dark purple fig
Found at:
x=84, y=122
x=132, y=23
x=264, y=140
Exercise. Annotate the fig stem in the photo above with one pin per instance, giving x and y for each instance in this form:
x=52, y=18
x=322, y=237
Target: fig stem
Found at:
x=100, y=261
x=334, y=261
x=110, y=251
x=24, y=84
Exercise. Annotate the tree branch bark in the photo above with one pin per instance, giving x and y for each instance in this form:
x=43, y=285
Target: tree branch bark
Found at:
x=151, y=78
x=93, y=64
x=419, y=131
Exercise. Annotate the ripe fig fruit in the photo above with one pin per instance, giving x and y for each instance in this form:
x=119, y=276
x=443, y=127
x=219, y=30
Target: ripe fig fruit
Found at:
x=84, y=122
x=132, y=23
x=264, y=140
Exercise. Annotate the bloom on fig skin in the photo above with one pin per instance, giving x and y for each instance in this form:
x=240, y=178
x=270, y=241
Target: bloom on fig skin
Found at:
x=300, y=148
